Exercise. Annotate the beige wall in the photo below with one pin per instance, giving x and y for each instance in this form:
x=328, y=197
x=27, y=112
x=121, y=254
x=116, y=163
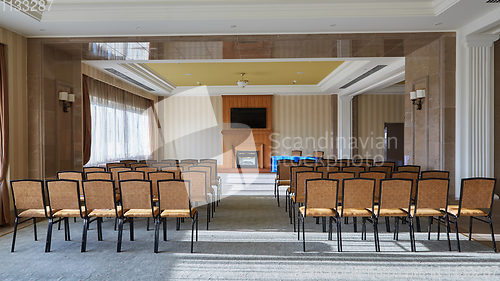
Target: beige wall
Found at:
x=496, y=47
x=16, y=50
x=373, y=111
x=430, y=132
x=303, y=123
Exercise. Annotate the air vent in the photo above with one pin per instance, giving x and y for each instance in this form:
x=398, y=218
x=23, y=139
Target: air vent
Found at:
x=126, y=78
x=493, y=1
x=363, y=76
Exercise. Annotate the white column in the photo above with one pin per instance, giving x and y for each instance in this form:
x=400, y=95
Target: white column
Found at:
x=475, y=108
x=344, y=126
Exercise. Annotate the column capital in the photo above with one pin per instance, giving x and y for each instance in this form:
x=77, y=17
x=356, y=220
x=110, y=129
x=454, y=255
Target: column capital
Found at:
x=481, y=40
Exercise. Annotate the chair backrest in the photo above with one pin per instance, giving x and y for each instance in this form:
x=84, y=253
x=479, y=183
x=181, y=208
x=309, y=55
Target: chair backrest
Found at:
x=213, y=168
x=318, y=154
x=114, y=173
x=386, y=164
x=134, y=166
x=208, y=160
x=154, y=177
x=93, y=169
x=146, y=170
x=300, y=187
x=377, y=176
x=131, y=175
x=307, y=162
x=63, y=194
x=395, y=194
x=327, y=162
x=99, y=176
x=369, y=162
x=128, y=162
x=435, y=174
x=407, y=175
x=71, y=175
x=327, y=169
x=293, y=171
x=386, y=169
x=355, y=169
x=185, y=165
x=136, y=194
x=190, y=161
x=27, y=194
x=177, y=171
x=409, y=168
x=99, y=194
x=283, y=169
x=432, y=193
x=358, y=193
x=197, y=180
x=111, y=165
x=477, y=193
x=160, y=165
x=149, y=162
x=174, y=195
x=345, y=162
x=296, y=152
x=321, y=193
x=208, y=171
x=171, y=162
x=340, y=176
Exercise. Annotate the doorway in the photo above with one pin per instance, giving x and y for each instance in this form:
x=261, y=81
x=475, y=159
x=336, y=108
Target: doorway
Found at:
x=394, y=142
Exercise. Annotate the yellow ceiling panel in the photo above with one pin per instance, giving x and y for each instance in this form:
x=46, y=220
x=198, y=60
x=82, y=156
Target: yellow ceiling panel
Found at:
x=257, y=73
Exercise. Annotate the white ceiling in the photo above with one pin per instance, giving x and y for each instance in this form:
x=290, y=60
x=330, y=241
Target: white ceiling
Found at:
x=77, y=18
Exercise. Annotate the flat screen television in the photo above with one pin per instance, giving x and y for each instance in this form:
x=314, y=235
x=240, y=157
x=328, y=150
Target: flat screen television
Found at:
x=254, y=118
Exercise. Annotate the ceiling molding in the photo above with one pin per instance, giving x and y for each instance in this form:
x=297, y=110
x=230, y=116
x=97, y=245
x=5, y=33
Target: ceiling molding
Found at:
x=256, y=90
x=149, y=75
x=442, y=5
x=341, y=73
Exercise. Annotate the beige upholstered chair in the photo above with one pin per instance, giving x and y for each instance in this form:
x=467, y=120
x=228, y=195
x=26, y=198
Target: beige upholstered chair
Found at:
x=111, y=165
x=134, y=166
x=176, y=170
x=29, y=204
x=394, y=197
x=216, y=180
x=128, y=162
x=355, y=169
x=340, y=176
x=320, y=201
x=296, y=152
x=93, y=169
x=154, y=177
x=386, y=169
x=114, y=172
x=100, y=201
x=131, y=175
x=409, y=168
x=160, y=165
x=386, y=164
x=435, y=174
x=99, y=176
x=299, y=197
x=357, y=201
x=71, y=175
x=282, y=176
x=327, y=169
x=171, y=162
x=476, y=200
x=210, y=190
x=377, y=176
x=63, y=202
x=175, y=202
x=185, y=165
x=146, y=170
x=190, y=161
x=137, y=202
x=318, y=154
x=291, y=190
x=198, y=181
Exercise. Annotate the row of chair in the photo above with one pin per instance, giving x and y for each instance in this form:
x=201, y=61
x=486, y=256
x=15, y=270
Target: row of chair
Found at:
x=356, y=197
x=61, y=199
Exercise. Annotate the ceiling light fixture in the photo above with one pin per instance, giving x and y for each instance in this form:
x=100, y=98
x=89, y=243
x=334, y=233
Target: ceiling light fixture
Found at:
x=188, y=74
x=242, y=83
x=233, y=26
x=439, y=23
x=332, y=25
x=294, y=82
x=300, y=72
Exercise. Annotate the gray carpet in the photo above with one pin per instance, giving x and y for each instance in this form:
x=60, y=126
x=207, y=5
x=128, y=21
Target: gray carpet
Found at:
x=249, y=238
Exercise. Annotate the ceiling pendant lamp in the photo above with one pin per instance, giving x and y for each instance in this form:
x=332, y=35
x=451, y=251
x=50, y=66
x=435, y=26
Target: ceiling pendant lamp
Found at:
x=242, y=83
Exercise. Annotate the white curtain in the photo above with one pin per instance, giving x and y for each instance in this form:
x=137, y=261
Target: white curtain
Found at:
x=120, y=124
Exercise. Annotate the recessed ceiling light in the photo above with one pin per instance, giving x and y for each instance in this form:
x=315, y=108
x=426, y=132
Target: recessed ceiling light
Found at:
x=137, y=28
x=42, y=29
x=300, y=72
x=233, y=26
x=439, y=23
x=332, y=25
x=188, y=74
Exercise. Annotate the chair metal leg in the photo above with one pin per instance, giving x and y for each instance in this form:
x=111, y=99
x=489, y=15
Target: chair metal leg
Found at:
x=492, y=235
x=49, y=236
x=456, y=231
x=192, y=233
x=470, y=228
x=157, y=233
x=355, y=223
x=14, y=235
x=131, y=221
x=293, y=214
x=417, y=220
x=147, y=224
x=66, y=222
x=447, y=219
x=303, y=234
x=410, y=231
x=196, y=226
x=330, y=228
x=278, y=195
x=208, y=214
x=99, y=229
x=298, y=229
x=164, y=229
x=84, y=235
x=323, y=221
x=396, y=228
x=120, y=232
x=375, y=234
x=439, y=228
x=363, y=228
x=387, y=224
x=34, y=229
x=339, y=235
x=429, y=227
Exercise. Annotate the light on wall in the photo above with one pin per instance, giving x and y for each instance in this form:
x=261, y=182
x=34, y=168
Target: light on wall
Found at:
x=416, y=97
x=67, y=100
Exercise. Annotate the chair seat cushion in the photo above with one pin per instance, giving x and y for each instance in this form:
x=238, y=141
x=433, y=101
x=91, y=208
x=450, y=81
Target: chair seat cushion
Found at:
x=64, y=213
x=424, y=212
x=106, y=213
x=178, y=213
x=468, y=212
x=354, y=212
x=142, y=213
x=317, y=212
x=35, y=213
x=390, y=212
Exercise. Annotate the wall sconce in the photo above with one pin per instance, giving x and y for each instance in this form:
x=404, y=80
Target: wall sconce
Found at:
x=416, y=97
x=67, y=100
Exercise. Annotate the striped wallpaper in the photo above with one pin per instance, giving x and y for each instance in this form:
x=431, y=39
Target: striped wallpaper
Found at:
x=373, y=111
x=191, y=127
x=303, y=123
x=16, y=55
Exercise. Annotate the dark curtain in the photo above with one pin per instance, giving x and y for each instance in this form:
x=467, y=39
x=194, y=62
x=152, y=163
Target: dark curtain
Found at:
x=4, y=141
x=87, y=122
